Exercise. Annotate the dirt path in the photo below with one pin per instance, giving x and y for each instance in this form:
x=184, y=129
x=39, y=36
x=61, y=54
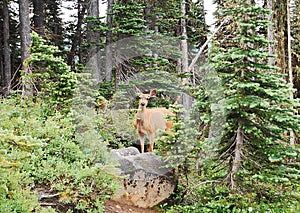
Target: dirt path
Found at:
x=116, y=207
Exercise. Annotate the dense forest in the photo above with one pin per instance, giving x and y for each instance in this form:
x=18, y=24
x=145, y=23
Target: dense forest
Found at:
x=67, y=76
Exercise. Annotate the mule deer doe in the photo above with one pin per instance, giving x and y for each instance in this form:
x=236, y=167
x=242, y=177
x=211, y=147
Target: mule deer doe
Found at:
x=148, y=121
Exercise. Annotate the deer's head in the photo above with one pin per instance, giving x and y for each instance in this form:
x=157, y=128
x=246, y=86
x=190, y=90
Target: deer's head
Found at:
x=144, y=98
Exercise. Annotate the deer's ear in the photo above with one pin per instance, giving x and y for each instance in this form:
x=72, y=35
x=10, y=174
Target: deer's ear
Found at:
x=137, y=91
x=153, y=93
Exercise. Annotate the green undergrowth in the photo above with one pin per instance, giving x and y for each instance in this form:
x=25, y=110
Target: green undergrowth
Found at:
x=45, y=165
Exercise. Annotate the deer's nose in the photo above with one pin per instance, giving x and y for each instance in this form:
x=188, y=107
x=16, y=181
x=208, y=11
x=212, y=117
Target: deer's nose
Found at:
x=142, y=104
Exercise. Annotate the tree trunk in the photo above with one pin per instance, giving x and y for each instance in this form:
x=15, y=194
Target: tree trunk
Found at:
x=184, y=44
x=39, y=17
x=290, y=70
x=1, y=69
x=186, y=100
x=25, y=44
x=237, y=158
x=93, y=38
x=6, y=48
x=109, y=35
x=271, y=33
x=281, y=33
x=78, y=37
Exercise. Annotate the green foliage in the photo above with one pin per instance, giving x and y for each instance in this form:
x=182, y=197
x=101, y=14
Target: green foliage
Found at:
x=256, y=100
x=196, y=27
x=52, y=78
x=256, y=96
x=218, y=199
x=55, y=29
x=47, y=155
x=106, y=89
x=166, y=16
x=14, y=197
x=129, y=19
x=57, y=142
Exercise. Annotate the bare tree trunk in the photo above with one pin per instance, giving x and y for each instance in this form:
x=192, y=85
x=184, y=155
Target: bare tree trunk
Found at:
x=77, y=41
x=39, y=17
x=183, y=62
x=281, y=34
x=184, y=44
x=109, y=34
x=237, y=158
x=271, y=33
x=2, y=83
x=93, y=38
x=6, y=48
x=25, y=44
x=290, y=70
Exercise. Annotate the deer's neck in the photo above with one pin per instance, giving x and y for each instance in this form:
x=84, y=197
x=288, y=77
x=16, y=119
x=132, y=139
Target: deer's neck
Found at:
x=142, y=109
x=141, y=113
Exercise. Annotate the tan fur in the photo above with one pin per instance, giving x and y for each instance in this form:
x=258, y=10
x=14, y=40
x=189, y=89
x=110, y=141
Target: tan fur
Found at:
x=148, y=121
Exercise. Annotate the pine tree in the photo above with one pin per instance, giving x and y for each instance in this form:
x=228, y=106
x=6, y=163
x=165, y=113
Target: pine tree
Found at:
x=77, y=35
x=39, y=17
x=196, y=27
x=259, y=111
x=55, y=27
x=53, y=80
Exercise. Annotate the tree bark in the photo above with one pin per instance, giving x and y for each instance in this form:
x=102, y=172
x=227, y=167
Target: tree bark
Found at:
x=237, y=158
x=290, y=70
x=184, y=44
x=271, y=33
x=109, y=34
x=6, y=48
x=281, y=33
x=93, y=38
x=25, y=44
x=78, y=37
x=39, y=17
x=183, y=62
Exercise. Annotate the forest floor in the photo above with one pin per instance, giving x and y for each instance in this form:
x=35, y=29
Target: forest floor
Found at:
x=117, y=207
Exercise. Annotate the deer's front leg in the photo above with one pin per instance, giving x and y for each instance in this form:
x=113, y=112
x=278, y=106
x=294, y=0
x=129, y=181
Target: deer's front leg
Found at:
x=142, y=142
x=151, y=139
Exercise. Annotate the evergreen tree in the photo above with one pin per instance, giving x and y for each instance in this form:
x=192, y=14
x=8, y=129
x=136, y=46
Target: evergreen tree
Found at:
x=196, y=27
x=51, y=76
x=55, y=27
x=76, y=35
x=259, y=112
x=39, y=17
